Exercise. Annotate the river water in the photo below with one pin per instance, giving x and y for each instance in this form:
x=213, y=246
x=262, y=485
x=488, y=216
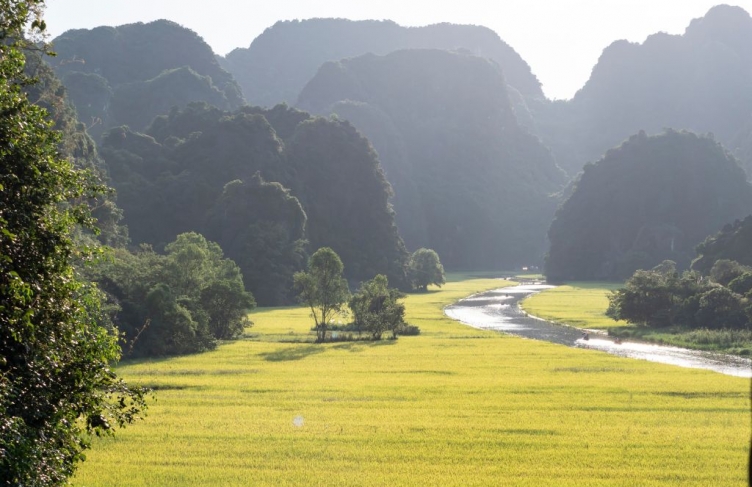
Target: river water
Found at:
x=499, y=310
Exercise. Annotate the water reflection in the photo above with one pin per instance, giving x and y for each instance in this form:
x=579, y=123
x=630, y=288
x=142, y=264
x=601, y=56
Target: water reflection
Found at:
x=499, y=310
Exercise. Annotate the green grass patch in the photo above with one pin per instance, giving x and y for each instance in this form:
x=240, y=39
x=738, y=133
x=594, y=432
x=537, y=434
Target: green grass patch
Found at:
x=579, y=304
x=454, y=406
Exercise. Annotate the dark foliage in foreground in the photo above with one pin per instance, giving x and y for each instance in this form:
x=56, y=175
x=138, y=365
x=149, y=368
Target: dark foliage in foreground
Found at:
x=56, y=385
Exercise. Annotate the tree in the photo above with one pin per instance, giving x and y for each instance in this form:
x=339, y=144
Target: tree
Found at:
x=227, y=304
x=322, y=288
x=376, y=309
x=425, y=268
x=644, y=300
x=56, y=384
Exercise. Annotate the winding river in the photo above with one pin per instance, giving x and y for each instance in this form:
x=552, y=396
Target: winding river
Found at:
x=499, y=310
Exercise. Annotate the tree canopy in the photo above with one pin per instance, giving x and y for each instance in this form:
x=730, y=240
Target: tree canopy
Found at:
x=733, y=242
x=259, y=193
x=424, y=268
x=177, y=303
x=323, y=289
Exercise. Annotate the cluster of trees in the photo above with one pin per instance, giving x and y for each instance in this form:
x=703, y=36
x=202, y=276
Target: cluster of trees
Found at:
x=265, y=185
x=469, y=182
x=716, y=293
x=175, y=303
x=663, y=297
x=375, y=307
x=654, y=198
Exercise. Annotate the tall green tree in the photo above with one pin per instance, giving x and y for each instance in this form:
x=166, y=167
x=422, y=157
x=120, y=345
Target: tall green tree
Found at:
x=56, y=384
x=323, y=288
x=376, y=308
x=425, y=268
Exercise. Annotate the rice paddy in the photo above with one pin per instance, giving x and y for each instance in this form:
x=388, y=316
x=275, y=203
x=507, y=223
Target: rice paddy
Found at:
x=579, y=304
x=454, y=406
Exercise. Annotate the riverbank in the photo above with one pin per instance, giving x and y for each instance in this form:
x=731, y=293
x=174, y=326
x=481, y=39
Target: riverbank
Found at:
x=583, y=305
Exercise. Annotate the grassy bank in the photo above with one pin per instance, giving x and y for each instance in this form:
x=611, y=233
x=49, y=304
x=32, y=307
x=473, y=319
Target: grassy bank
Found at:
x=583, y=305
x=453, y=406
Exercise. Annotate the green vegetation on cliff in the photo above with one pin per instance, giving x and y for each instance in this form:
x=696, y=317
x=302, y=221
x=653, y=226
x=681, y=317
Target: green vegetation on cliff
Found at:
x=469, y=182
x=649, y=200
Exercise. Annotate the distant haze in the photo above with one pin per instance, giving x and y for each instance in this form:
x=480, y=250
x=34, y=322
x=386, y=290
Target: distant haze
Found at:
x=561, y=40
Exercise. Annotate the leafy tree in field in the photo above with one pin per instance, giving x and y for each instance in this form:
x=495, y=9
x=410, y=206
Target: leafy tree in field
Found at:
x=425, y=268
x=376, y=308
x=322, y=288
x=56, y=384
x=644, y=300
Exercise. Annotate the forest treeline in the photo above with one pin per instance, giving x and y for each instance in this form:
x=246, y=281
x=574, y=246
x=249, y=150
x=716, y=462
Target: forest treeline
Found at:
x=375, y=140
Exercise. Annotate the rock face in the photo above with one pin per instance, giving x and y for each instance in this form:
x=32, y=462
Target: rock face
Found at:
x=469, y=182
x=700, y=81
x=649, y=200
x=280, y=62
x=132, y=73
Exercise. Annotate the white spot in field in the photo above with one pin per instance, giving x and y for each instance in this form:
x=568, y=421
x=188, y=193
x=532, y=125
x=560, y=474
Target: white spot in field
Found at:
x=298, y=421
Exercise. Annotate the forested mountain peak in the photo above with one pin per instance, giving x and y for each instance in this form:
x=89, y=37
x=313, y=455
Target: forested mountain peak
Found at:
x=132, y=73
x=651, y=199
x=280, y=61
x=463, y=171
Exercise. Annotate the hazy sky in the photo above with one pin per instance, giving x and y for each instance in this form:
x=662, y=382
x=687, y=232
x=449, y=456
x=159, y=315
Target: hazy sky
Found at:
x=560, y=39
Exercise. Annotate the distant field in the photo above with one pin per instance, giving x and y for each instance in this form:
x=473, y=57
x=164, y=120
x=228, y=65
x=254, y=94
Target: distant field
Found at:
x=452, y=407
x=580, y=304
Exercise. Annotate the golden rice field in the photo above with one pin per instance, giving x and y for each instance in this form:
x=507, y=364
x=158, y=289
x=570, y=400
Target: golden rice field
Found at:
x=452, y=407
x=580, y=304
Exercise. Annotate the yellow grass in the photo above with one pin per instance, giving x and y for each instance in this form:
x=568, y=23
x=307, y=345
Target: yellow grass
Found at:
x=452, y=407
x=580, y=304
